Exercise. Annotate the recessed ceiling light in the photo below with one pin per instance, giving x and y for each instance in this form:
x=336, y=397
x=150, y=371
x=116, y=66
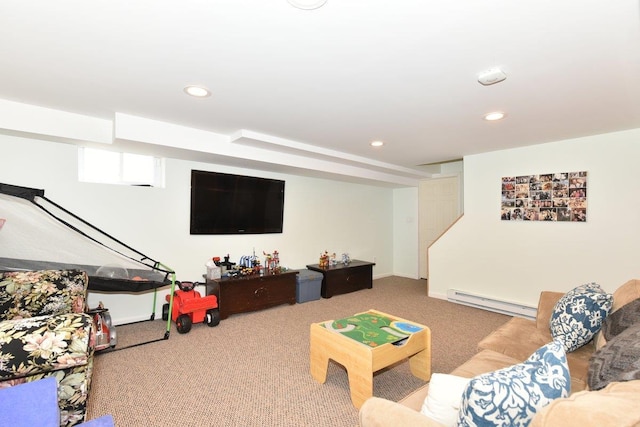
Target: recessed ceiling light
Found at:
x=197, y=91
x=307, y=4
x=377, y=144
x=496, y=115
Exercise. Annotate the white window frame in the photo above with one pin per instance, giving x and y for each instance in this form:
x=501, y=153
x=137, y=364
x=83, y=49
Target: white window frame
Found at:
x=115, y=171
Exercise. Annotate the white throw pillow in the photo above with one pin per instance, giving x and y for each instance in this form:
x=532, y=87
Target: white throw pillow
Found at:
x=443, y=400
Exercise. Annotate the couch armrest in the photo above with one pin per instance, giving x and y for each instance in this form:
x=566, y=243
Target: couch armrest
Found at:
x=46, y=343
x=377, y=412
x=546, y=303
x=618, y=405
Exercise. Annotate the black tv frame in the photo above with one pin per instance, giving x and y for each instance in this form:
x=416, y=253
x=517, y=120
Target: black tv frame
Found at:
x=223, y=203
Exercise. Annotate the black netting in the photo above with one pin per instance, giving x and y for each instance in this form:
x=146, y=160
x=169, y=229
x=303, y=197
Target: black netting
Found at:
x=39, y=234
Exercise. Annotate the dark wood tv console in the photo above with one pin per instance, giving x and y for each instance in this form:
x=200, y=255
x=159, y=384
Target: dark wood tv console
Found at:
x=342, y=279
x=251, y=293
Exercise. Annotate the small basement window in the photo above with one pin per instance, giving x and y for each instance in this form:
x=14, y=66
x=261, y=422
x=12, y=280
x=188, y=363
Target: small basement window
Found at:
x=112, y=167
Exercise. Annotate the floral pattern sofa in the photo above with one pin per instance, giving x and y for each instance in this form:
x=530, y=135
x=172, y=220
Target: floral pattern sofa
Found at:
x=45, y=332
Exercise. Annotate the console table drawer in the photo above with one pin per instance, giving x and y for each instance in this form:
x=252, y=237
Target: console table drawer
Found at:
x=243, y=294
x=342, y=279
x=352, y=279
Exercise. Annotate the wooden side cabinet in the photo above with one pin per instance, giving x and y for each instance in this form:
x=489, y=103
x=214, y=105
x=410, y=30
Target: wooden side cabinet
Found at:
x=251, y=293
x=342, y=279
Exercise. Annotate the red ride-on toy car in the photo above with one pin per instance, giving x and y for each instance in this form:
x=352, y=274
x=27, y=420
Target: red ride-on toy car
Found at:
x=189, y=308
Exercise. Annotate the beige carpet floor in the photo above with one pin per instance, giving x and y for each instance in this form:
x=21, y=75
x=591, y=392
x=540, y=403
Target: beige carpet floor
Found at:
x=253, y=368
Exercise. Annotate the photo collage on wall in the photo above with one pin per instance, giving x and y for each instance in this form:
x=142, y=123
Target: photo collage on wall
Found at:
x=549, y=197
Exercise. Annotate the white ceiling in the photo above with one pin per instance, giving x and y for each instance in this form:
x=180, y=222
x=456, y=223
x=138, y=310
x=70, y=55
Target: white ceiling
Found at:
x=338, y=77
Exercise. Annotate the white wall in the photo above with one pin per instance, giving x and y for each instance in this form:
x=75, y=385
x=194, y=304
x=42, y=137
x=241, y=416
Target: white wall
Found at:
x=514, y=261
x=319, y=215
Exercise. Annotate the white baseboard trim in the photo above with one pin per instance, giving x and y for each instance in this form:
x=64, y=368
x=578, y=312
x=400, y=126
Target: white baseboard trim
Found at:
x=492, y=304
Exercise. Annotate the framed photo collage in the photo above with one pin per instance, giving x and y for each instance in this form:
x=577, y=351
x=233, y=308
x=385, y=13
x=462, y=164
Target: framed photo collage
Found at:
x=548, y=197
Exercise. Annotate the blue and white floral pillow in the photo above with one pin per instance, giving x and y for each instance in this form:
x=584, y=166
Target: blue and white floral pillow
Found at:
x=579, y=314
x=512, y=396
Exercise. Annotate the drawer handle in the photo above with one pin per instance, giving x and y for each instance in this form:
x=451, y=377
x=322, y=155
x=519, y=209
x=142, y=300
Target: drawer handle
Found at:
x=260, y=292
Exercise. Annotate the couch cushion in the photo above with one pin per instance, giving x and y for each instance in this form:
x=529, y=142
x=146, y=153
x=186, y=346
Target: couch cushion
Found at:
x=546, y=303
x=578, y=315
x=45, y=343
x=621, y=319
x=618, y=360
x=511, y=396
x=517, y=338
x=483, y=362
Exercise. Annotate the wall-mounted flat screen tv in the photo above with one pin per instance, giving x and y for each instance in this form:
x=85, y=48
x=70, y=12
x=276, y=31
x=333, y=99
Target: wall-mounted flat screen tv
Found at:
x=223, y=203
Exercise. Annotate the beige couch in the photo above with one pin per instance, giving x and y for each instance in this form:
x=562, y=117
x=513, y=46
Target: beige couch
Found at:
x=615, y=405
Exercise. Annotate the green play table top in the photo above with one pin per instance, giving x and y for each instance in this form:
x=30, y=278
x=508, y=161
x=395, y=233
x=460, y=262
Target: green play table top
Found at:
x=372, y=329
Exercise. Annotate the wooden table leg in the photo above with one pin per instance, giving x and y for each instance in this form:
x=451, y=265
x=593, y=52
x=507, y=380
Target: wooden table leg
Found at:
x=318, y=356
x=420, y=363
x=356, y=359
x=360, y=373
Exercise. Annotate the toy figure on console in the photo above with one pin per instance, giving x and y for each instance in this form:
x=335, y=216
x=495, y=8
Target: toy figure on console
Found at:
x=326, y=259
x=271, y=262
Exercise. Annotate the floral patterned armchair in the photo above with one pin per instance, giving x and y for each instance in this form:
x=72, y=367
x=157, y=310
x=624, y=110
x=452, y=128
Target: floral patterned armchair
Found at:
x=45, y=332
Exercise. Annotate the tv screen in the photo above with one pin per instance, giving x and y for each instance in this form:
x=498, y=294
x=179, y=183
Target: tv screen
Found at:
x=234, y=204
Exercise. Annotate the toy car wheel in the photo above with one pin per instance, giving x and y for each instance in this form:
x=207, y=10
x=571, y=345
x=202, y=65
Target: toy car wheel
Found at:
x=183, y=323
x=213, y=317
x=165, y=311
x=107, y=319
x=113, y=336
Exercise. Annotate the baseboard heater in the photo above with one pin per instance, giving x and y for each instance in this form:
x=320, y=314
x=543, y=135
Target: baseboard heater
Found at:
x=491, y=304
